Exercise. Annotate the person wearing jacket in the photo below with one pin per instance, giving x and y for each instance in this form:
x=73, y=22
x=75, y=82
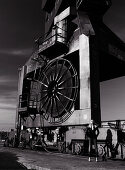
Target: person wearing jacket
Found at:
x=92, y=134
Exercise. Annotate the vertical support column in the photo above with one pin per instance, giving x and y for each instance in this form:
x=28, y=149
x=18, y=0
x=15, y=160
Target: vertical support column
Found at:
x=89, y=78
x=89, y=26
x=89, y=68
x=94, y=79
x=85, y=101
x=21, y=73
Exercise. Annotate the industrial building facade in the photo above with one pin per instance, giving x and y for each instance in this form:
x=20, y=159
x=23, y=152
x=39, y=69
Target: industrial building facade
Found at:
x=59, y=86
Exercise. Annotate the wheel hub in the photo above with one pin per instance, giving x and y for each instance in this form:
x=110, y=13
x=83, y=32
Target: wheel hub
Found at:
x=52, y=88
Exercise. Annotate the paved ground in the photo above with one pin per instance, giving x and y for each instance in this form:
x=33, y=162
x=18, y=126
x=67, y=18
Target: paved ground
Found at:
x=40, y=160
x=8, y=161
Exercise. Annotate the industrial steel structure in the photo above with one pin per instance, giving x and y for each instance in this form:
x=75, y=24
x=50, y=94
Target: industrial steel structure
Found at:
x=58, y=87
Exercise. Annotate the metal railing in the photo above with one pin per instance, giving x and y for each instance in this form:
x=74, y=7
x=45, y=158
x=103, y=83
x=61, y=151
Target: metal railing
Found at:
x=55, y=37
x=23, y=101
x=27, y=100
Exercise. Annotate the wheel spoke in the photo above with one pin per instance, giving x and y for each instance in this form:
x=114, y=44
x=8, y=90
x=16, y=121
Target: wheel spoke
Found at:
x=48, y=105
x=46, y=77
x=62, y=104
x=65, y=96
x=44, y=97
x=60, y=71
x=67, y=79
x=45, y=102
x=56, y=70
x=50, y=78
x=63, y=88
x=41, y=83
x=53, y=75
x=56, y=104
x=51, y=106
x=64, y=73
x=44, y=90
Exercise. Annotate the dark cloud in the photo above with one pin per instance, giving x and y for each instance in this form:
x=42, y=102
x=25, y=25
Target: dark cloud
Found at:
x=21, y=22
x=8, y=91
x=11, y=59
x=115, y=18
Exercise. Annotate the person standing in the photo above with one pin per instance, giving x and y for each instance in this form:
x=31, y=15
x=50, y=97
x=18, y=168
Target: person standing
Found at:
x=92, y=134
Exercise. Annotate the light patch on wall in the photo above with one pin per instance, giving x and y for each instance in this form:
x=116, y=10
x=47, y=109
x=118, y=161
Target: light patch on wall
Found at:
x=85, y=116
x=112, y=97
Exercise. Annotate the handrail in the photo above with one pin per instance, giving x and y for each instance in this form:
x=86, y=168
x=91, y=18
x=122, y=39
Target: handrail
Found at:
x=56, y=34
x=26, y=101
x=23, y=100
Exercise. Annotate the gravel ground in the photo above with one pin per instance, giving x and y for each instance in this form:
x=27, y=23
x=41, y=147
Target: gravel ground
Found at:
x=39, y=160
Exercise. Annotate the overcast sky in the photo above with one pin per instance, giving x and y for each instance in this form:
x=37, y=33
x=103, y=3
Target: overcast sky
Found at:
x=21, y=22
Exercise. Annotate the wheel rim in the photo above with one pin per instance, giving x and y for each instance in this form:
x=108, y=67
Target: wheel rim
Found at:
x=58, y=90
x=100, y=150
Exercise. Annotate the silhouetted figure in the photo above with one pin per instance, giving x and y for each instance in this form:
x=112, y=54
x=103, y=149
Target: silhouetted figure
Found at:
x=109, y=139
x=92, y=134
x=108, y=144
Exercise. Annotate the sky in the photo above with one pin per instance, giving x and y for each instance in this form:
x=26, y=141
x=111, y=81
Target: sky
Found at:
x=21, y=22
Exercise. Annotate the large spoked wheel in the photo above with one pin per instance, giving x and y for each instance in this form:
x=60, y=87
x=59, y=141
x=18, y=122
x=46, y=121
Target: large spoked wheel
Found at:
x=58, y=91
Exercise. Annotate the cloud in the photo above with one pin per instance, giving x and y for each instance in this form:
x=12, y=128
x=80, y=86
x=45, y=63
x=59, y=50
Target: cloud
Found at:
x=6, y=79
x=8, y=103
x=18, y=31
x=7, y=106
x=115, y=18
x=17, y=52
x=8, y=86
x=7, y=119
x=8, y=93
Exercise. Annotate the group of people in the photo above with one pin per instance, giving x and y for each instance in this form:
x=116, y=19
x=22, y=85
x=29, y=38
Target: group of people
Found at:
x=92, y=133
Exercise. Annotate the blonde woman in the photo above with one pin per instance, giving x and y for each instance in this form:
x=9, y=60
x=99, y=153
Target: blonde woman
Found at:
x=92, y=134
